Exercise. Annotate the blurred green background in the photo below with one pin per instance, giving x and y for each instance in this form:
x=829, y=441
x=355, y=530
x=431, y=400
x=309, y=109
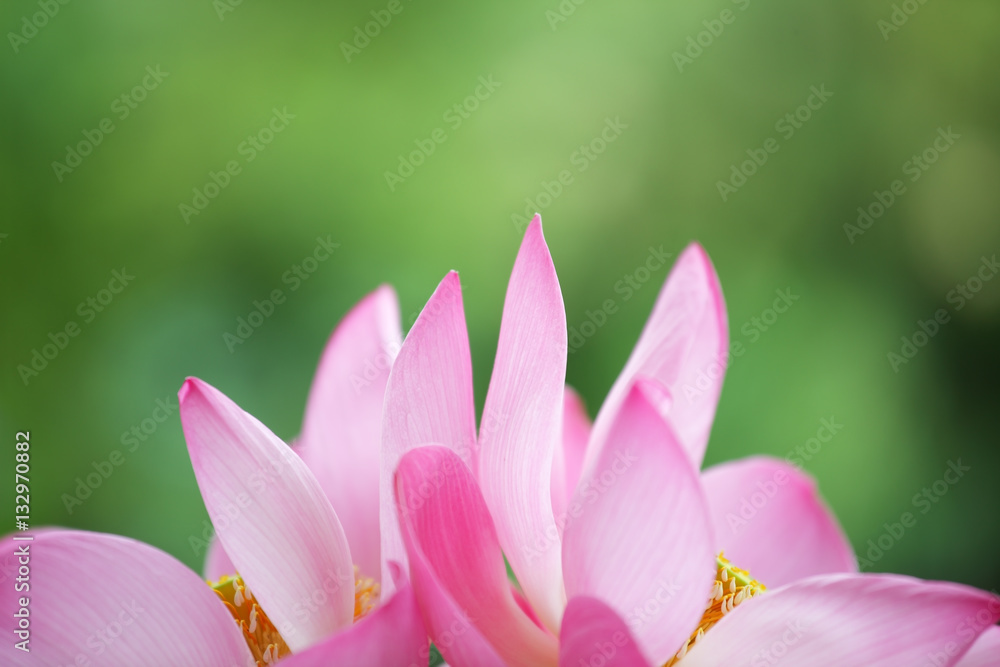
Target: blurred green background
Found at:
x=687, y=123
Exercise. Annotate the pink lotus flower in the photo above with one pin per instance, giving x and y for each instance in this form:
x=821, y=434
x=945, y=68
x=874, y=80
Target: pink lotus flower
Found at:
x=612, y=533
x=295, y=529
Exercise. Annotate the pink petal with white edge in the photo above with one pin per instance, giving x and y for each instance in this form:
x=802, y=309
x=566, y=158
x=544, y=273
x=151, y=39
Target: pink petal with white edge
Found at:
x=593, y=634
x=770, y=521
x=391, y=636
x=271, y=515
x=985, y=652
x=428, y=399
x=341, y=435
x=849, y=619
x=522, y=424
x=639, y=537
x=568, y=459
x=217, y=561
x=458, y=569
x=109, y=600
x=684, y=347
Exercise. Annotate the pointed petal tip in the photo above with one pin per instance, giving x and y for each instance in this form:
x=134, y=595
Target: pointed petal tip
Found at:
x=189, y=384
x=235, y=456
x=535, y=232
x=383, y=295
x=695, y=252
x=695, y=247
x=451, y=280
x=398, y=573
x=653, y=393
x=648, y=388
x=451, y=283
x=385, y=289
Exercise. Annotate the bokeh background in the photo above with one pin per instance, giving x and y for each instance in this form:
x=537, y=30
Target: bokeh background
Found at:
x=228, y=66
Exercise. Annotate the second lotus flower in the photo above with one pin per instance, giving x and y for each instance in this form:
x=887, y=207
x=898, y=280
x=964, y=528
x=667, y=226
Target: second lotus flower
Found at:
x=301, y=530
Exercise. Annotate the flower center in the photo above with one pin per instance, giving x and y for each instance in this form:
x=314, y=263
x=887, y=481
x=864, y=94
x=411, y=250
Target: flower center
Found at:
x=264, y=640
x=366, y=592
x=732, y=587
x=261, y=636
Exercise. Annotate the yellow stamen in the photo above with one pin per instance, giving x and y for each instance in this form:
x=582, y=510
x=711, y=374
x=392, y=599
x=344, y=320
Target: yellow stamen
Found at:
x=265, y=642
x=733, y=586
x=366, y=592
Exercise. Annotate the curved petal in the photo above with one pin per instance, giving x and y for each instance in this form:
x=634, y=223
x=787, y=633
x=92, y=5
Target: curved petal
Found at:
x=271, y=516
x=639, y=537
x=428, y=399
x=391, y=636
x=849, y=619
x=341, y=433
x=684, y=346
x=568, y=459
x=218, y=564
x=457, y=567
x=985, y=652
x=592, y=633
x=455, y=634
x=104, y=599
x=522, y=424
x=770, y=520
